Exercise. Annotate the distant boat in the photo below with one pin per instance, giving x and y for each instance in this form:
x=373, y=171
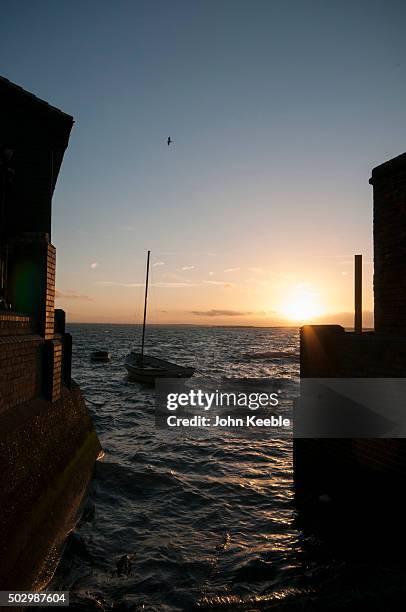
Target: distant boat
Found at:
x=100, y=355
x=145, y=368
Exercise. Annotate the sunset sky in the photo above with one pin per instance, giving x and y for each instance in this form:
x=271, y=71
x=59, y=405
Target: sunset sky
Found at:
x=278, y=110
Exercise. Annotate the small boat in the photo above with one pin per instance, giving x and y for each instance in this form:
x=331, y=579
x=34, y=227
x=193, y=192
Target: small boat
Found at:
x=151, y=368
x=145, y=368
x=100, y=356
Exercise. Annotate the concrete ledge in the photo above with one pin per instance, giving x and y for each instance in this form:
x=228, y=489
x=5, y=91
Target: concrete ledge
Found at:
x=327, y=351
x=47, y=453
x=363, y=476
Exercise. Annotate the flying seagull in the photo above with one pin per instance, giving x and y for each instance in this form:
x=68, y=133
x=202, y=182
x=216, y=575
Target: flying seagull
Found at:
x=169, y=141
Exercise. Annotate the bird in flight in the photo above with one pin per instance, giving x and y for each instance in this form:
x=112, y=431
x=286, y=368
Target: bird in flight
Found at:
x=169, y=141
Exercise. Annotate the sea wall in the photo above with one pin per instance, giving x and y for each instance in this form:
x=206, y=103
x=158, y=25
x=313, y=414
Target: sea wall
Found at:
x=48, y=448
x=47, y=454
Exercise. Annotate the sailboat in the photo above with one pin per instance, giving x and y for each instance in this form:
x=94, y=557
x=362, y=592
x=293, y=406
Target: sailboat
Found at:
x=145, y=368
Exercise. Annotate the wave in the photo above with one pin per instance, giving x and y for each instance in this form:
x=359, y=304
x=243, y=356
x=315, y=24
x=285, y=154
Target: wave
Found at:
x=265, y=355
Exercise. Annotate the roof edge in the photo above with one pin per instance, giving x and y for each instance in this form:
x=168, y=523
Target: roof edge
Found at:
x=388, y=167
x=34, y=98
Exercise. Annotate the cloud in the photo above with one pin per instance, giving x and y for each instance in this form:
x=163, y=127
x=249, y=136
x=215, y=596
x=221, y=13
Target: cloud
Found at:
x=174, y=285
x=231, y=269
x=220, y=313
x=184, y=268
x=94, y=265
x=334, y=256
x=116, y=284
x=211, y=273
x=255, y=270
x=72, y=295
x=158, y=263
x=218, y=282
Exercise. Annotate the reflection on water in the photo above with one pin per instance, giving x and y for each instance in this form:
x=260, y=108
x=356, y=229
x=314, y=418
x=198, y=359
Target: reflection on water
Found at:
x=182, y=521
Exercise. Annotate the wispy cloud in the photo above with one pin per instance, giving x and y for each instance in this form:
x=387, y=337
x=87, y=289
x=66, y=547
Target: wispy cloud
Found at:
x=94, y=265
x=117, y=284
x=72, y=295
x=231, y=269
x=218, y=282
x=211, y=273
x=184, y=268
x=255, y=270
x=220, y=313
x=334, y=256
x=158, y=263
x=174, y=285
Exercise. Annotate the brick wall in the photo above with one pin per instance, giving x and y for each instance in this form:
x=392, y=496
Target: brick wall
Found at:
x=12, y=324
x=53, y=369
x=48, y=312
x=389, y=185
x=31, y=280
x=21, y=367
x=30, y=365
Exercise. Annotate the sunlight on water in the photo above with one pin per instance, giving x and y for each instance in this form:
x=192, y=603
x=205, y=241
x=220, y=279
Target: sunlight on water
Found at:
x=179, y=521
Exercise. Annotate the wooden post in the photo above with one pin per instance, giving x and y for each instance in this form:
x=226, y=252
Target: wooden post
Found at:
x=358, y=294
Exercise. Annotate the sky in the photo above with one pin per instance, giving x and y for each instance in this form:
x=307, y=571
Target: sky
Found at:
x=278, y=112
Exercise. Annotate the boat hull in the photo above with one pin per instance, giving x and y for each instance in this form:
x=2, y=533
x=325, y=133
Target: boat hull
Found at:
x=154, y=368
x=100, y=356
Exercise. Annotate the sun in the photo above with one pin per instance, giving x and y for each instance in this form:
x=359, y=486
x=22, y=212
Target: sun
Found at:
x=302, y=306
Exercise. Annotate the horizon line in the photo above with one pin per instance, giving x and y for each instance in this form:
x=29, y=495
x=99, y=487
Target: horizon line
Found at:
x=297, y=326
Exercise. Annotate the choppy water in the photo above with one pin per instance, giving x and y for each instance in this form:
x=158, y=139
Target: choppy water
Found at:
x=180, y=521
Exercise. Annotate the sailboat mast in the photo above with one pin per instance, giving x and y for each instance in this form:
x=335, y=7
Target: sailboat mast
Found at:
x=145, y=311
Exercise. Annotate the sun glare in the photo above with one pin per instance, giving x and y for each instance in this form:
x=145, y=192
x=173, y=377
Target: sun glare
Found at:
x=303, y=306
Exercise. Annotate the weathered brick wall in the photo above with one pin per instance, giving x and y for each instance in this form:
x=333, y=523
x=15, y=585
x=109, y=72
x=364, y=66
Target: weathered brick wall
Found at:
x=48, y=312
x=30, y=366
x=13, y=324
x=389, y=184
x=21, y=368
x=53, y=369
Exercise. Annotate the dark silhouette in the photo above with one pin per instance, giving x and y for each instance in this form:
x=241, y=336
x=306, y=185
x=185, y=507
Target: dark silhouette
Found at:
x=46, y=435
x=169, y=141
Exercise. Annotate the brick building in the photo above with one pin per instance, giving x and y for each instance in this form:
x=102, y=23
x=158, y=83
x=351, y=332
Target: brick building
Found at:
x=47, y=442
x=33, y=139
